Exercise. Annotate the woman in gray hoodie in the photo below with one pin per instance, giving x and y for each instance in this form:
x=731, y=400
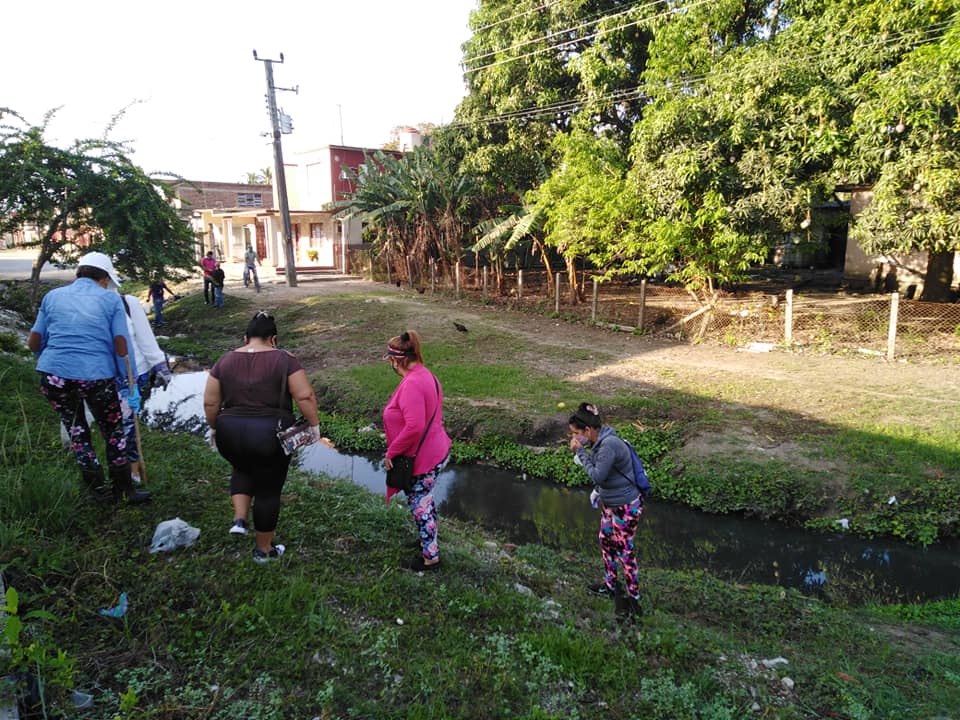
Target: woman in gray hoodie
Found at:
x=610, y=468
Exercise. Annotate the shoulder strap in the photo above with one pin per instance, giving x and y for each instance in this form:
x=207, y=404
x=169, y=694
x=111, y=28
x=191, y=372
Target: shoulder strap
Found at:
x=424, y=436
x=283, y=380
x=614, y=467
x=125, y=306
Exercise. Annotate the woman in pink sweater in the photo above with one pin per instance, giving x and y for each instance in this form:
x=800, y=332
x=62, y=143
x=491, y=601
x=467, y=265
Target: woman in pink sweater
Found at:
x=414, y=417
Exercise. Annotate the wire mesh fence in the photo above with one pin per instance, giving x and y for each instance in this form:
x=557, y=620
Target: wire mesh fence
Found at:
x=824, y=321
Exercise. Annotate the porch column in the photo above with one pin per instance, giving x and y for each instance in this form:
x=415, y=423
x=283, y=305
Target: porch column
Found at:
x=228, y=235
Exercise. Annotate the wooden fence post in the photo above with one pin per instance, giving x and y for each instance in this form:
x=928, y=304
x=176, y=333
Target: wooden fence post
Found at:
x=456, y=279
x=433, y=276
x=643, y=303
x=485, y=274
x=788, y=319
x=892, y=332
x=557, y=295
x=519, y=284
x=389, y=279
x=593, y=313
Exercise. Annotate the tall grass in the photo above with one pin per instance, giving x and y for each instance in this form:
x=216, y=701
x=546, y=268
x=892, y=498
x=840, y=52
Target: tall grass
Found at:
x=38, y=480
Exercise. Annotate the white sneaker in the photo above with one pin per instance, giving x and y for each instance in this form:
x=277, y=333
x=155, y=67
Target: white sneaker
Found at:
x=259, y=556
x=239, y=527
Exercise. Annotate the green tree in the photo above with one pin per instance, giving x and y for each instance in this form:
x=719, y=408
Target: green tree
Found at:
x=416, y=208
x=581, y=203
x=906, y=145
x=259, y=177
x=500, y=235
x=89, y=196
x=530, y=68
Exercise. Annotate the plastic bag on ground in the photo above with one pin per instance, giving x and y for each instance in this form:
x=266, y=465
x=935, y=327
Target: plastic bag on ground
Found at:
x=172, y=534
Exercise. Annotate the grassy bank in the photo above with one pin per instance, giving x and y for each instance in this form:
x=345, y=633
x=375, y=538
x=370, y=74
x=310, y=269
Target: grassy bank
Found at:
x=336, y=630
x=718, y=439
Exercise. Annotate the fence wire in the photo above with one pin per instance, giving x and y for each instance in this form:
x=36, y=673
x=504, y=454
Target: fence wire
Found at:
x=827, y=321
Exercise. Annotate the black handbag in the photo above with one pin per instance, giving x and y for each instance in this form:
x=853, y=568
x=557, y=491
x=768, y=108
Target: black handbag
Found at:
x=400, y=476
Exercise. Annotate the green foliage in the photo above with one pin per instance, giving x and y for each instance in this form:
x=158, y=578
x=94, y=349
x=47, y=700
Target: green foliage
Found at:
x=319, y=628
x=664, y=699
x=11, y=343
x=15, y=296
x=93, y=189
x=29, y=653
x=414, y=209
x=35, y=490
x=941, y=614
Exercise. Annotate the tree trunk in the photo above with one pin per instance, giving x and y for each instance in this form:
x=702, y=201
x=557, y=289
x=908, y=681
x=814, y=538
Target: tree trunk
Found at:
x=939, y=277
x=46, y=252
x=546, y=261
x=572, y=279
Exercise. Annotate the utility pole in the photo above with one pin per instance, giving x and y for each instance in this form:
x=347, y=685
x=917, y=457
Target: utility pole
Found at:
x=280, y=175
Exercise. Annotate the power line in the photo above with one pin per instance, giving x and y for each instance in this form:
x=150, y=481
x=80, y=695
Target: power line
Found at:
x=596, y=19
x=544, y=6
x=924, y=36
x=605, y=31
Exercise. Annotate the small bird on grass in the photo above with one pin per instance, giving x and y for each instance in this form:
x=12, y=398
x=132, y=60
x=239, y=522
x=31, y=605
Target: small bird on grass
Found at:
x=458, y=326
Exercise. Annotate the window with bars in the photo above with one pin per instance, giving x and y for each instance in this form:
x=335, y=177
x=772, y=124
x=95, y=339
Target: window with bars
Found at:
x=250, y=200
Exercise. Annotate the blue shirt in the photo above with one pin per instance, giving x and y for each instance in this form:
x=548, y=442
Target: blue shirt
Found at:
x=76, y=325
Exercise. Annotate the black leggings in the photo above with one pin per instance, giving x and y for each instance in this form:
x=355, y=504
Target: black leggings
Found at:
x=260, y=467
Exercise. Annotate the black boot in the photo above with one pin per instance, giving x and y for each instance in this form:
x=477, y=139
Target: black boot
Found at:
x=123, y=486
x=628, y=607
x=96, y=485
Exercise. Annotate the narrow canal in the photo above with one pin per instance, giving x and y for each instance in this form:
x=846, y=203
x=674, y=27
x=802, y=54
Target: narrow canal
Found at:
x=522, y=510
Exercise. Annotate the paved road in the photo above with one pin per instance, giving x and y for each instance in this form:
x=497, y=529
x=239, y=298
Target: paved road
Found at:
x=17, y=264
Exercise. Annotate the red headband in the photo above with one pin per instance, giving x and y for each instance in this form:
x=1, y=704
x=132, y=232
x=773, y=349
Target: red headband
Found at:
x=393, y=352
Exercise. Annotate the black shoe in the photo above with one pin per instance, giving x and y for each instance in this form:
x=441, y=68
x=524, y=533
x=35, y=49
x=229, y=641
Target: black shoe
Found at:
x=122, y=483
x=96, y=484
x=137, y=497
x=413, y=544
x=628, y=607
x=603, y=589
x=418, y=565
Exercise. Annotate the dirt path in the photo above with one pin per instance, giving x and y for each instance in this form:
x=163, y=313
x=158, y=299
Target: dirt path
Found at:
x=813, y=385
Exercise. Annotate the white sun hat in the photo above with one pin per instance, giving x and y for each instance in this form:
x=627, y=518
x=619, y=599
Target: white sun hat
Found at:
x=99, y=260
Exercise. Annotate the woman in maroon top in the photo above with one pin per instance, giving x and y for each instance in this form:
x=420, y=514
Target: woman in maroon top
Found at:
x=245, y=396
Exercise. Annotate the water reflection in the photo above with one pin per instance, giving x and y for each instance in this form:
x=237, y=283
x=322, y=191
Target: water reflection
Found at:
x=670, y=536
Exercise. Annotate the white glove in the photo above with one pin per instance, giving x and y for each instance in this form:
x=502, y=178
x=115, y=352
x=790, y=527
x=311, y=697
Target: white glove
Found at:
x=595, y=498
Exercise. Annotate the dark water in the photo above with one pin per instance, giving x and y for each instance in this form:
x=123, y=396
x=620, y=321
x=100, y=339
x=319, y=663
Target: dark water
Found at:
x=670, y=536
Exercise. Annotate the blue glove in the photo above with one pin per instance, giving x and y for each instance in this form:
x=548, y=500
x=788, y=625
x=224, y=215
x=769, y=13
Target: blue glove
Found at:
x=133, y=398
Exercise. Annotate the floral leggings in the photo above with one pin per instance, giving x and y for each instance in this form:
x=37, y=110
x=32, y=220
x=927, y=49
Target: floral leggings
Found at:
x=424, y=510
x=66, y=397
x=617, y=527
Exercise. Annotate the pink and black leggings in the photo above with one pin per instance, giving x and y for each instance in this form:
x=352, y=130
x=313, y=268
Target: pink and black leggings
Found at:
x=617, y=528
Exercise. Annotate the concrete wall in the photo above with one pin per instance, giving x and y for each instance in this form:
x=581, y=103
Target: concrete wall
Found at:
x=202, y=195
x=895, y=272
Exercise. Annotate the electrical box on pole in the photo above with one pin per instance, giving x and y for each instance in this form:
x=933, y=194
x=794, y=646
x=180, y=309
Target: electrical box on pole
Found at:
x=279, y=174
